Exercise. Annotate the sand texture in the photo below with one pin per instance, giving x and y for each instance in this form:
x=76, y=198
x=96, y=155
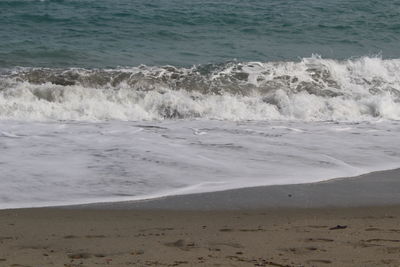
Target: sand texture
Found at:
x=269, y=237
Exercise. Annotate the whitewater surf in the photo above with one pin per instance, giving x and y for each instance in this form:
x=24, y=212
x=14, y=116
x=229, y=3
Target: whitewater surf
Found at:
x=72, y=136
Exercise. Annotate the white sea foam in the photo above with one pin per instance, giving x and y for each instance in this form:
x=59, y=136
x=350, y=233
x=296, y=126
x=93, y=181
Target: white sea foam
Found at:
x=313, y=89
x=78, y=136
x=78, y=162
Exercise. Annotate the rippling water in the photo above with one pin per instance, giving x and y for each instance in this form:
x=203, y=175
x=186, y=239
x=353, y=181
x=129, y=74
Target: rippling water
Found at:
x=103, y=33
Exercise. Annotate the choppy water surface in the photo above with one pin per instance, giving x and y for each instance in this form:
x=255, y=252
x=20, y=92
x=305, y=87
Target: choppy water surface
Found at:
x=104, y=33
x=129, y=99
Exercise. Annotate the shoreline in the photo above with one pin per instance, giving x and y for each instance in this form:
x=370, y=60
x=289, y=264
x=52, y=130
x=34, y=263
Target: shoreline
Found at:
x=378, y=188
x=211, y=229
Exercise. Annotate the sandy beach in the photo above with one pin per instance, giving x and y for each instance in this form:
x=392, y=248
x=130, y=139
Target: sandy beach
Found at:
x=114, y=235
x=283, y=237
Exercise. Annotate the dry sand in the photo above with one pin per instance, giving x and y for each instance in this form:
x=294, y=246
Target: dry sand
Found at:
x=281, y=237
x=212, y=233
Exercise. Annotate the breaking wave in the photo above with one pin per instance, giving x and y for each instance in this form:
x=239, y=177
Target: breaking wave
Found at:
x=313, y=89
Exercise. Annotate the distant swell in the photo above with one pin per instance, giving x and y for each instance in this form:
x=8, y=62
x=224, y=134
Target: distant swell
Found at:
x=312, y=89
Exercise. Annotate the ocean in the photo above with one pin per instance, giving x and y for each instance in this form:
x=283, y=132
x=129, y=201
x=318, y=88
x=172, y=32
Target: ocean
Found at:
x=128, y=100
x=105, y=33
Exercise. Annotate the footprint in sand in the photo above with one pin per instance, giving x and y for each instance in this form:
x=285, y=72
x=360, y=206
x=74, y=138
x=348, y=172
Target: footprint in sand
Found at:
x=81, y=255
x=182, y=244
x=319, y=261
x=252, y=230
x=338, y=227
x=137, y=252
x=301, y=250
x=70, y=236
x=226, y=230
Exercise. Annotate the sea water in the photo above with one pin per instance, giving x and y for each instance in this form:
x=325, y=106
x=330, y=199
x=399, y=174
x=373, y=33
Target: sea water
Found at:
x=128, y=100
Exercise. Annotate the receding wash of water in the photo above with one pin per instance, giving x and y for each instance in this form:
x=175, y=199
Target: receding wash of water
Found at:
x=128, y=99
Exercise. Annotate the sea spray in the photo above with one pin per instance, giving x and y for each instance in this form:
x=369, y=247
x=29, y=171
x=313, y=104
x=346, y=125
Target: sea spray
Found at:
x=313, y=89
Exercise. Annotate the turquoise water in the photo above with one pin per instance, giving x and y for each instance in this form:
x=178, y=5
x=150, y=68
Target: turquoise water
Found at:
x=105, y=33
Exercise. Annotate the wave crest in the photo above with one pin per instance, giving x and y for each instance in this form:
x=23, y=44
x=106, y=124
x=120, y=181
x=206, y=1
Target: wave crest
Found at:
x=311, y=89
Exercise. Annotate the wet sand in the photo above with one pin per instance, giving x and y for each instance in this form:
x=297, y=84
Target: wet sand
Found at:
x=372, y=189
x=264, y=235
